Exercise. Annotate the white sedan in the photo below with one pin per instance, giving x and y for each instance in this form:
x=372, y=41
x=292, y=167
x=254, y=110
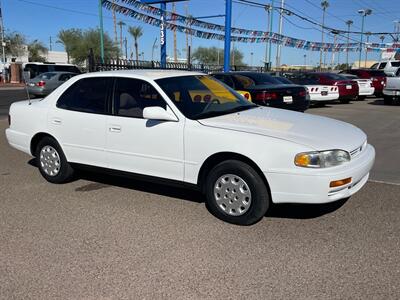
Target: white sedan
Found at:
x=242, y=156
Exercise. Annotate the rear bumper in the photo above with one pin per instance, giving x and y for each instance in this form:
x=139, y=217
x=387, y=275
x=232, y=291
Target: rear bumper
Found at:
x=18, y=140
x=37, y=91
x=366, y=91
x=299, y=105
x=314, y=188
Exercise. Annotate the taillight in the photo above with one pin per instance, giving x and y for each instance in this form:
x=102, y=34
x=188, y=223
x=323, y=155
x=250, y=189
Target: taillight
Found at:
x=41, y=83
x=265, y=96
x=302, y=93
x=312, y=89
x=9, y=120
x=247, y=96
x=207, y=98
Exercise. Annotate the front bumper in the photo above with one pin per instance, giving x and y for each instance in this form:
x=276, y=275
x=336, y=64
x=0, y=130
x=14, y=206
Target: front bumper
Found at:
x=312, y=185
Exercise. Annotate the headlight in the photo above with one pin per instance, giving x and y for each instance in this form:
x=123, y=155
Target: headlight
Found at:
x=321, y=159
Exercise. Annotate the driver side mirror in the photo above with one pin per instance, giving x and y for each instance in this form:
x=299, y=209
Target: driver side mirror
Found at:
x=158, y=113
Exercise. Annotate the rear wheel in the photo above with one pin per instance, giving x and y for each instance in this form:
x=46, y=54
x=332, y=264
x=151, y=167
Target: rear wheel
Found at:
x=236, y=193
x=51, y=161
x=344, y=101
x=361, y=98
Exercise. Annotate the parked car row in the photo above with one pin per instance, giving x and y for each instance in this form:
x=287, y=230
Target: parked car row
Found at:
x=190, y=128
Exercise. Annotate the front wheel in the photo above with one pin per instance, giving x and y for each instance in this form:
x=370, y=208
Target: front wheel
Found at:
x=344, y=101
x=51, y=161
x=236, y=193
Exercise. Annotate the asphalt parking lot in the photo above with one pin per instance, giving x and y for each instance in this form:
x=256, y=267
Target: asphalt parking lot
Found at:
x=103, y=237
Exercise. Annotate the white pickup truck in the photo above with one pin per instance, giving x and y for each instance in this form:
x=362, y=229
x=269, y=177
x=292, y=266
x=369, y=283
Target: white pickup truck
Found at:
x=391, y=92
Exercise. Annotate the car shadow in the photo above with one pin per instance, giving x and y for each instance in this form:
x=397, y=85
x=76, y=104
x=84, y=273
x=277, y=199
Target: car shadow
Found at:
x=376, y=102
x=101, y=180
x=303, y=211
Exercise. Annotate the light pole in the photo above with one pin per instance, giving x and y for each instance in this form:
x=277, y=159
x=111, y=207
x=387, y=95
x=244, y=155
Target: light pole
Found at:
x=101, y=31
x=153, y=48
x=334, y=32
x=363, y=13
x=348, y=23
x=324, y=5
x=305, y=61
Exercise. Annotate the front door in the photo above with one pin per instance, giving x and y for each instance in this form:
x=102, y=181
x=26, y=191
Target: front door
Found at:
x=138, y=145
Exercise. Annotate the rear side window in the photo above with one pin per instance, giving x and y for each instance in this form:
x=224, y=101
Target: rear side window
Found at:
x=395, y=63
x=382, y=66
x=132, y=96
x=86, y=95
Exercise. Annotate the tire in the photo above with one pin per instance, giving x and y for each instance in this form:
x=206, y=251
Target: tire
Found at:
x=243, y=206
x=51, y=161
x=344, y=101
x=361, y=98
x=387, y=100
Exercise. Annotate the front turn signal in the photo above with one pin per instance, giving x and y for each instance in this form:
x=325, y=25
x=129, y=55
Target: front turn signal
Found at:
x=340, y=182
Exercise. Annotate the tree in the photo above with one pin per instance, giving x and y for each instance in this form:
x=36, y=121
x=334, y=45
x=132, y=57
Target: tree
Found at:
x=36, y=49
x=136, y=32
x=69, y=38
x=81, y=41
x=15, y=44
x=214, y=56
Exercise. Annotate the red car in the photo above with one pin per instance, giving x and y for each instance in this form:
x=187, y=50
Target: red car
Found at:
x=348, y=89
x=378, y=78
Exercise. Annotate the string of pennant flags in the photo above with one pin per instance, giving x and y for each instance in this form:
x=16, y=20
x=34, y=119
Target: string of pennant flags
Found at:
x=151, y=15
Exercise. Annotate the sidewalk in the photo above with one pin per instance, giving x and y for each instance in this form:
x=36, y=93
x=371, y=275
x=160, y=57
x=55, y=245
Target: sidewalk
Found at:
x=11, y=86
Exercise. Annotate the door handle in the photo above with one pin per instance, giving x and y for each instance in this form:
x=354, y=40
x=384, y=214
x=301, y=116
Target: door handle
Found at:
x=56, y=121
x=115, y=128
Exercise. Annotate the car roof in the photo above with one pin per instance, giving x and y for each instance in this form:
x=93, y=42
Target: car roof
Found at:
x=144, y=74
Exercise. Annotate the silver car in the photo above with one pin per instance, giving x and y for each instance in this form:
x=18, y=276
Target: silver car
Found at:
x=45, y=83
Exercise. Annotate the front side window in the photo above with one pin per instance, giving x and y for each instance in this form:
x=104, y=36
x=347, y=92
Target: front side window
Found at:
x=86, y=95
x=202, y=96
x=132, y=96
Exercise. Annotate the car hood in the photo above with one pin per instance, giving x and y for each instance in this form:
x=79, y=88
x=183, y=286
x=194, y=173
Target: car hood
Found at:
x=319, y=133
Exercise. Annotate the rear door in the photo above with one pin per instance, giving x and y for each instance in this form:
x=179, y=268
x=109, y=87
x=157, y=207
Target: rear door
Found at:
x=78, y=121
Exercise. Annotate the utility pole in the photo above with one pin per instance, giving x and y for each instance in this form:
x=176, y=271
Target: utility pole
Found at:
x=325, y=5
x=348, y=23
x=334, y=49
x=51, y=44
x=101, y=32
x=115, y=24
x=363, y=13
x=174, y=22
x=366, y=48
x=279, y=47
x=186, y=32
x=3, y=43
x=268, y=8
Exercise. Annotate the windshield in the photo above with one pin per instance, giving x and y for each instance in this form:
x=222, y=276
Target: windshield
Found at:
x=202, y=96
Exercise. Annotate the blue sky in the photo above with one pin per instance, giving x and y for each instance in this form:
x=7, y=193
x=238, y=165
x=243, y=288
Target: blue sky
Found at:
x=42, y=19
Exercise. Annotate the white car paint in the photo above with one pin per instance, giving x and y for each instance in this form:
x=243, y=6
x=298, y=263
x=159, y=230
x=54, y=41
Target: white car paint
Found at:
x=365, y=87
x=177, y=149
x=321, y=93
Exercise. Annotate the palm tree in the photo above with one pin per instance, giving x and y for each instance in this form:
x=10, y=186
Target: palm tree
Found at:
x=136, y=32
x=69, y=38
x=120, y=24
